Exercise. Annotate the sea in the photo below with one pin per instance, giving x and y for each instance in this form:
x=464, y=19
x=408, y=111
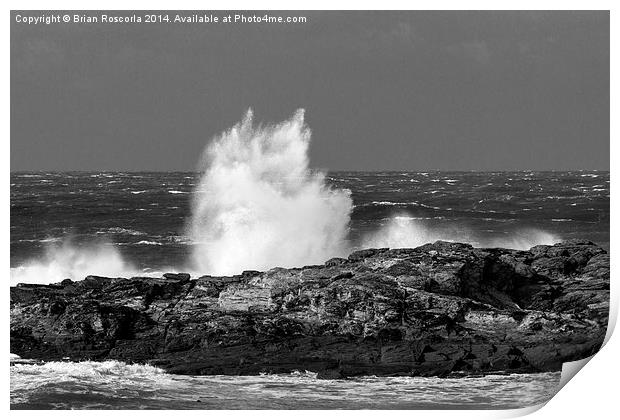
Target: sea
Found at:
x=71, y=224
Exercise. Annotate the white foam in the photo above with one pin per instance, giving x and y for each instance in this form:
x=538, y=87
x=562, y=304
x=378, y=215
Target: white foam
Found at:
x=68, y=261
x=123, y=231
x=148, y=243
x=259, y=206
x=401, y=231
x=405, y=231
x=522, y=239
x=111, y=375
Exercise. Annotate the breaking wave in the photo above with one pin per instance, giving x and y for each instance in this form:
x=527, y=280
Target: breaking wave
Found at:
x=258, y=205
x=523, y=239
x=88, y=369
x=404, y=231
x=69, y=261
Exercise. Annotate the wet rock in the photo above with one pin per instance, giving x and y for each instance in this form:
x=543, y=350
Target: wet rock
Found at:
x=177, y=276
x=330, y=374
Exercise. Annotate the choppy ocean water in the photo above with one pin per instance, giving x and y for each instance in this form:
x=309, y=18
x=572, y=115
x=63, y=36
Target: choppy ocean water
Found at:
x=145, y=215
x=58, y=218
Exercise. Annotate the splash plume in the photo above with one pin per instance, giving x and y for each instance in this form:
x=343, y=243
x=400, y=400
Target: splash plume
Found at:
x=258, y=205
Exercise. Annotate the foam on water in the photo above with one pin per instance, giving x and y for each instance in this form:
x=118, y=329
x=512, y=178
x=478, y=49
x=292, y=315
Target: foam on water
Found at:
x=87, y=369
x=111, y=384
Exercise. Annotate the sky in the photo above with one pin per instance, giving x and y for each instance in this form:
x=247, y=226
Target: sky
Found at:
x=415, y=90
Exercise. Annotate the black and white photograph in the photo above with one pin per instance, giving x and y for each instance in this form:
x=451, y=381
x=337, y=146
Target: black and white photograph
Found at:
x=306, y=209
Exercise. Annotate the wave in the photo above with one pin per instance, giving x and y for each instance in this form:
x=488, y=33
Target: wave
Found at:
x=148, y=243
x=69, y=261
x=42, y=241
x=405, y=231
x=76, y=262
x=392, y=203
x=401, y=232
x=258, y=205
x=122, y=231
x=33, y=382
x=522, y=239
x=87, y=368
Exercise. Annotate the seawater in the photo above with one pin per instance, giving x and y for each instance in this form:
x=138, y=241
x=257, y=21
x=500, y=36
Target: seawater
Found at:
x=116, y=385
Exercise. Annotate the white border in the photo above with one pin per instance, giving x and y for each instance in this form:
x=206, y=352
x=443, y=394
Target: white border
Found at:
x=591, y=395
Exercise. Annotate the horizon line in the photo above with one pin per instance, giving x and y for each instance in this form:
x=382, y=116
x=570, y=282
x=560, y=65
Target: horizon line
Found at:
x=313, y=170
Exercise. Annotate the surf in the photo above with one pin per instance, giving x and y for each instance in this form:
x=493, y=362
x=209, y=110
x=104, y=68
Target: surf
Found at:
x=258, y=205
x=68, y=260
x=405, y=231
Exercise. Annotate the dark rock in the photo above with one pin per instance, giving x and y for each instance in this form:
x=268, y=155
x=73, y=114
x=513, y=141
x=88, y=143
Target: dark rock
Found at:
x=330, y=374
x=432, y=310
x=345, y=275
x=334, y=262
x=57, y=307
x=366, y=253
x=179, y=276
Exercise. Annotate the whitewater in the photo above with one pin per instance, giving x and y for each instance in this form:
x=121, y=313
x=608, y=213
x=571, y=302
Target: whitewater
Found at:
x=117, y=385
x=258, y=205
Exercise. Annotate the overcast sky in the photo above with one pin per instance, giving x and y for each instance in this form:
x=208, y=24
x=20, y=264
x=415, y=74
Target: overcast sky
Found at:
x=382, y=90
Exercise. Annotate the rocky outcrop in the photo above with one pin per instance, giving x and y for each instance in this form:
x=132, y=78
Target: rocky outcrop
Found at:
x=432, y=310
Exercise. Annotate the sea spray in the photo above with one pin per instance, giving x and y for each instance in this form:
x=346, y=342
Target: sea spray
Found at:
x=258, y=205
x=71, y=261
x=404, y=231
x=523, y=239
